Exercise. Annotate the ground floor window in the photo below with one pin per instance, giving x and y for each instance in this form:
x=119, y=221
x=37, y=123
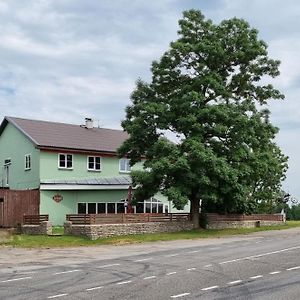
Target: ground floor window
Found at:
x=152, y=206
x=148, y=206
x=101, y=208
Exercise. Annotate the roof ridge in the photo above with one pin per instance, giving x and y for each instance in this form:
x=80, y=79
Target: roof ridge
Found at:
x=63, y=123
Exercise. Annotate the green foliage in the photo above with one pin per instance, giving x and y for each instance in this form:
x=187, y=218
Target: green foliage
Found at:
x=207, y=91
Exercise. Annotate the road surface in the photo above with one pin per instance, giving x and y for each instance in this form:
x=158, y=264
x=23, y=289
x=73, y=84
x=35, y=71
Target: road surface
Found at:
x=264, y=265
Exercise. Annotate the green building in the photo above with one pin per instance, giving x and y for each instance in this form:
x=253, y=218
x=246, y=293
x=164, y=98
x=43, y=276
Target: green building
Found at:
x=75, y=168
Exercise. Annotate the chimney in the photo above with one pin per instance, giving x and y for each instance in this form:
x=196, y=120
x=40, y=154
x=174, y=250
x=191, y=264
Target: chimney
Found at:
x=89, y=123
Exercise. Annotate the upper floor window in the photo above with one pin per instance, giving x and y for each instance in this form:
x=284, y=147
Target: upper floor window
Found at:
x=65, y=161
x=124, y=165
x=7, y=163
x=94, y=163
x=27, y=161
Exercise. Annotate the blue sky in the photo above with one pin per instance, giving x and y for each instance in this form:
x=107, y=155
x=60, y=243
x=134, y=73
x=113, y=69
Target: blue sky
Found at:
x=70, y=59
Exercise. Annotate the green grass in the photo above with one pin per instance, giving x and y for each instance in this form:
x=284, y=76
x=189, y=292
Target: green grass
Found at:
x=42, y=241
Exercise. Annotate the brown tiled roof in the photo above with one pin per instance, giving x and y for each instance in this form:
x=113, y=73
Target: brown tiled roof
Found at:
x=68, y=136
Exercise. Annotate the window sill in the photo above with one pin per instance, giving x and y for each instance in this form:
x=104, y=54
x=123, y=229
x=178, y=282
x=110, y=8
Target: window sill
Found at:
x=124, y=172
x=97, y=171
x=67, y=169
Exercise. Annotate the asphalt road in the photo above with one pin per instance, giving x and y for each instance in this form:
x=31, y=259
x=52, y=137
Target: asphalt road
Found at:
x=259, y=266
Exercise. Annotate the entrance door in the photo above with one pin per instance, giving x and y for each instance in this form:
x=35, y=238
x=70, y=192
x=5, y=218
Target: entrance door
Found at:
x=1, y=212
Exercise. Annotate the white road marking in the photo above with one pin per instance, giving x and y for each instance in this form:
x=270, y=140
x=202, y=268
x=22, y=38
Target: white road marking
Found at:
x=15, y=279
x=180, y=295
x=171, y=255
x=149, y=277
x=294, y=268
x=191, y=269
x=66, y=272
x=206, y=266
x=235, y=282
x=259, y=255
x=124, y=282
x=171, y=273
x=94, y=288
x=210, y=288
x=255, y=277
x=194, y=251
x=144, y=259
x=57, y=296
x=111, y=265
x=275, y=272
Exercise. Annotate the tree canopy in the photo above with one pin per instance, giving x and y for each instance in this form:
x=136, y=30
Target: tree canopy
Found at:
x=209, y=90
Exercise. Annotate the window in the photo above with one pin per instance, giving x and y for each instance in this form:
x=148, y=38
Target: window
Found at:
x=151, y=206
x=27, y=161
x=7, y=163
x=81, y=208
x=101, y=208
x=111, y=208
x=92, y=208
x=124, y=165
x=94, y=163
x=65, y=161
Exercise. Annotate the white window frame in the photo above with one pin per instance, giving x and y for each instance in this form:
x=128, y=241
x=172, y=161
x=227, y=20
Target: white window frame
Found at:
x=126, y=166
x=106, y=204
x=94, y=168
x=27, y=161
x=7, y=163
x=66, y=163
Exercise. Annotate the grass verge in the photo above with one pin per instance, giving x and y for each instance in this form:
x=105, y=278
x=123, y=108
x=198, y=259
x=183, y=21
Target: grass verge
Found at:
x=42, y=241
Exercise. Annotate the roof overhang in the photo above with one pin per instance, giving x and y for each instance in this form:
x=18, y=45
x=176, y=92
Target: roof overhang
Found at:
x=82, y=187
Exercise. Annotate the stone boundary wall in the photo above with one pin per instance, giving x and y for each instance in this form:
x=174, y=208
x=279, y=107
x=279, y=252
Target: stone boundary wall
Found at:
x=241, y=224
x=94, y=232
x=44, y=228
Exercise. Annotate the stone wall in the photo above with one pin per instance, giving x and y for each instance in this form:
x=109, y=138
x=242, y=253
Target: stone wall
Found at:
x=44, y=228
x=94, y=232
x=241, y=224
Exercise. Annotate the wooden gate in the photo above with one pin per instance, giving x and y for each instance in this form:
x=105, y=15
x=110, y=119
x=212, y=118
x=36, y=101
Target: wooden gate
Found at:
x=16, y=203
x=1, y=212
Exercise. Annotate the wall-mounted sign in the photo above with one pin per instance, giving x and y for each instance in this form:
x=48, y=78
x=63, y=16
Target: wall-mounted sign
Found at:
x=57, y=198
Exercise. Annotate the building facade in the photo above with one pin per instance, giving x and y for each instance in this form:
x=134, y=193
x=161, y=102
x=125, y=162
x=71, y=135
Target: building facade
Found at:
x=75, y=168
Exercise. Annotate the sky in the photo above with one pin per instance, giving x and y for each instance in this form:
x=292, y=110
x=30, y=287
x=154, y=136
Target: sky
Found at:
x=64, y=60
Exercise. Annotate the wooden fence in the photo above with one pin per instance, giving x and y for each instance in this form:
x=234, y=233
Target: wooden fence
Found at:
x=240, y=217
x=126, y=218
x=15, y=203
x=34, y=219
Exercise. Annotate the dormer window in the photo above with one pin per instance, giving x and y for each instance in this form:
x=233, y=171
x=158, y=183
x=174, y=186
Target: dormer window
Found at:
x=65, y=161
x=124, y=165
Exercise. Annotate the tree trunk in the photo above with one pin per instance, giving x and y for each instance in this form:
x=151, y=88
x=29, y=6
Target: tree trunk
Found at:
x=195, y=215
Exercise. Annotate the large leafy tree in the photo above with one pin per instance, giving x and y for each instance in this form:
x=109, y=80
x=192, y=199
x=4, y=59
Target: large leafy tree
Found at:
x=202, y=124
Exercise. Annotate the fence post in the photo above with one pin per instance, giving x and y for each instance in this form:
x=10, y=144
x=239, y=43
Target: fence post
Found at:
x=171, y=217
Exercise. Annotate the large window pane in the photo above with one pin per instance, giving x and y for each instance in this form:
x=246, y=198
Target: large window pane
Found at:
x=160, y=208
x=154, y=208
x=140, y=208
x=91, y=208
x=120, y=208
x=81, y=208
x=101, y=208
x=111, y=208
x=148, y=207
